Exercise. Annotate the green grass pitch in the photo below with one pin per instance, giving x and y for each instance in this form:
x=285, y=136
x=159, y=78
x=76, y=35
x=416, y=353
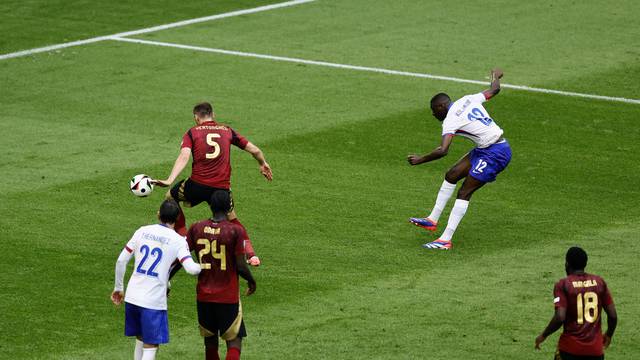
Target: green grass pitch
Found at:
x=343, y=275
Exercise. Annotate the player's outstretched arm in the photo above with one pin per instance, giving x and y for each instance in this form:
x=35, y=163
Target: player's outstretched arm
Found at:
x=437, y=153
x=178, y=166
x=184, y=256
x=554, y=324
x=121, y=267
x=257, y=154
x=245, y=273
x=496, y=75
x=612, y=322
x=190, y=266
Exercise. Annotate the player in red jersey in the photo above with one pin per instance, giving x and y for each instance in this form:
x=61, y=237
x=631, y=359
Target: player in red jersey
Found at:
x=579, y=300
x=209, y=142
x=218, y=244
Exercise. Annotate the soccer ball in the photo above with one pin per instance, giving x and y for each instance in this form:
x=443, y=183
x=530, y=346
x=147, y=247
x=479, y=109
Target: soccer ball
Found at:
x=141, y=185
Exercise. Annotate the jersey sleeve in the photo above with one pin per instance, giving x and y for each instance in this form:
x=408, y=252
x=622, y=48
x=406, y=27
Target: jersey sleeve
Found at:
x=450, y=125
x=183, y=252
x=240, y=239
x=559, y=295
x=606, y=295
x=131, y=244
x=479, y=97
x=238, y=140
x=187, y=140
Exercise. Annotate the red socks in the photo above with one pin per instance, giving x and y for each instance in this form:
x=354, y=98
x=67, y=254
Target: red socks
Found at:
x=248, y=247
x=181, y=224
x=211, y=353
x=233, y=354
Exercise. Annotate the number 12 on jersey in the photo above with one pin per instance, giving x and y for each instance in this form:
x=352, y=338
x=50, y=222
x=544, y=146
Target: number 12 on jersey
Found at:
x=477, y=115
x=210, y=247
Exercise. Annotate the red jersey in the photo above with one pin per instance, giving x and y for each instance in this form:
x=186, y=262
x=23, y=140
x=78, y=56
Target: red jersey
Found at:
x=217, y=244
x=210, y=145
x=583, y=295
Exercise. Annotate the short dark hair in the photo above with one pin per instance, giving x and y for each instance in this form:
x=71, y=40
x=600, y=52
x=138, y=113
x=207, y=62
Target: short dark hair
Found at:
x=169, y=210
x=576, y=258
x=220, y=201
x=203, y=109
x=440, y=98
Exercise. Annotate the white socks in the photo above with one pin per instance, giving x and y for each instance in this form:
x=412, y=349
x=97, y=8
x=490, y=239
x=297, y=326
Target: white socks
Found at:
x=149, y=353
x=137, y=354
x=457, y=213
x=446, y=190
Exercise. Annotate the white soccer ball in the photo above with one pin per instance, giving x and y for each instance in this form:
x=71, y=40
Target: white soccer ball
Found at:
x=141, y=185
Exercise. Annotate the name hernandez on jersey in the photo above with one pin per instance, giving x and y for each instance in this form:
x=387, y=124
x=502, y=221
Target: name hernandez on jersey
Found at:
x=210, y=145
x=155, y=248
x=468, y=118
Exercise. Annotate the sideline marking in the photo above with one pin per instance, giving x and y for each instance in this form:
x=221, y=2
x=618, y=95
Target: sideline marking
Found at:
x=373, y=69
x=154, y=28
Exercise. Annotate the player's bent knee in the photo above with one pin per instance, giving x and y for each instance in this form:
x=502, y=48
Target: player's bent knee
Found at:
x=464, y=194
x=452, y=176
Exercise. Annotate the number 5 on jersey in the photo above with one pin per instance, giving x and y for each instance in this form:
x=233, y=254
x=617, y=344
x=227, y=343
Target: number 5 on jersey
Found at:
x=216, y=147
x=210, y=248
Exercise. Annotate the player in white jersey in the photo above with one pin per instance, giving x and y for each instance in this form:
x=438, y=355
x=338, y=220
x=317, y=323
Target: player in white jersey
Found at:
x=155, y=248
x=468, y=118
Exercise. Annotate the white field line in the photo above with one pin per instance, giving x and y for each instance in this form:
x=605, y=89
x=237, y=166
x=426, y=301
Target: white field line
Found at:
x=154, y=28
x=373, y=69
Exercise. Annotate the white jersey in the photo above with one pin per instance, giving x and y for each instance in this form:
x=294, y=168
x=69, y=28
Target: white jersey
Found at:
x=155, y=248
x=467, y=117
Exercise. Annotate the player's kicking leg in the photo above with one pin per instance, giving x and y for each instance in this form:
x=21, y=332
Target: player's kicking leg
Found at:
x=177, y=193
x=484, y=165
x=469, y=186
x=457, y=172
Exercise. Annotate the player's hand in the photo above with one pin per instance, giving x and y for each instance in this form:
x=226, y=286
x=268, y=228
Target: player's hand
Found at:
x=117, y=297
x=254, y=261
x=265, y=169
x=496, y=74
x=161, y=183
x=606, y=341
x=252, y=288
x=539, y=340
x=414, y=159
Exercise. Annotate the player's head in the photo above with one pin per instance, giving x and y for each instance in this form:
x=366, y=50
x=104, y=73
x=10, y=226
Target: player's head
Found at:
x=576, y=260
x=440, y=105
x=202, y=112
x=169, y=210
x=220, y=202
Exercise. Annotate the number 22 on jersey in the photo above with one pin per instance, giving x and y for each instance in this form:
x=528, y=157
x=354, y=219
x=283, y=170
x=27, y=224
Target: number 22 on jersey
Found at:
x=146, y=251
x=210, y=247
